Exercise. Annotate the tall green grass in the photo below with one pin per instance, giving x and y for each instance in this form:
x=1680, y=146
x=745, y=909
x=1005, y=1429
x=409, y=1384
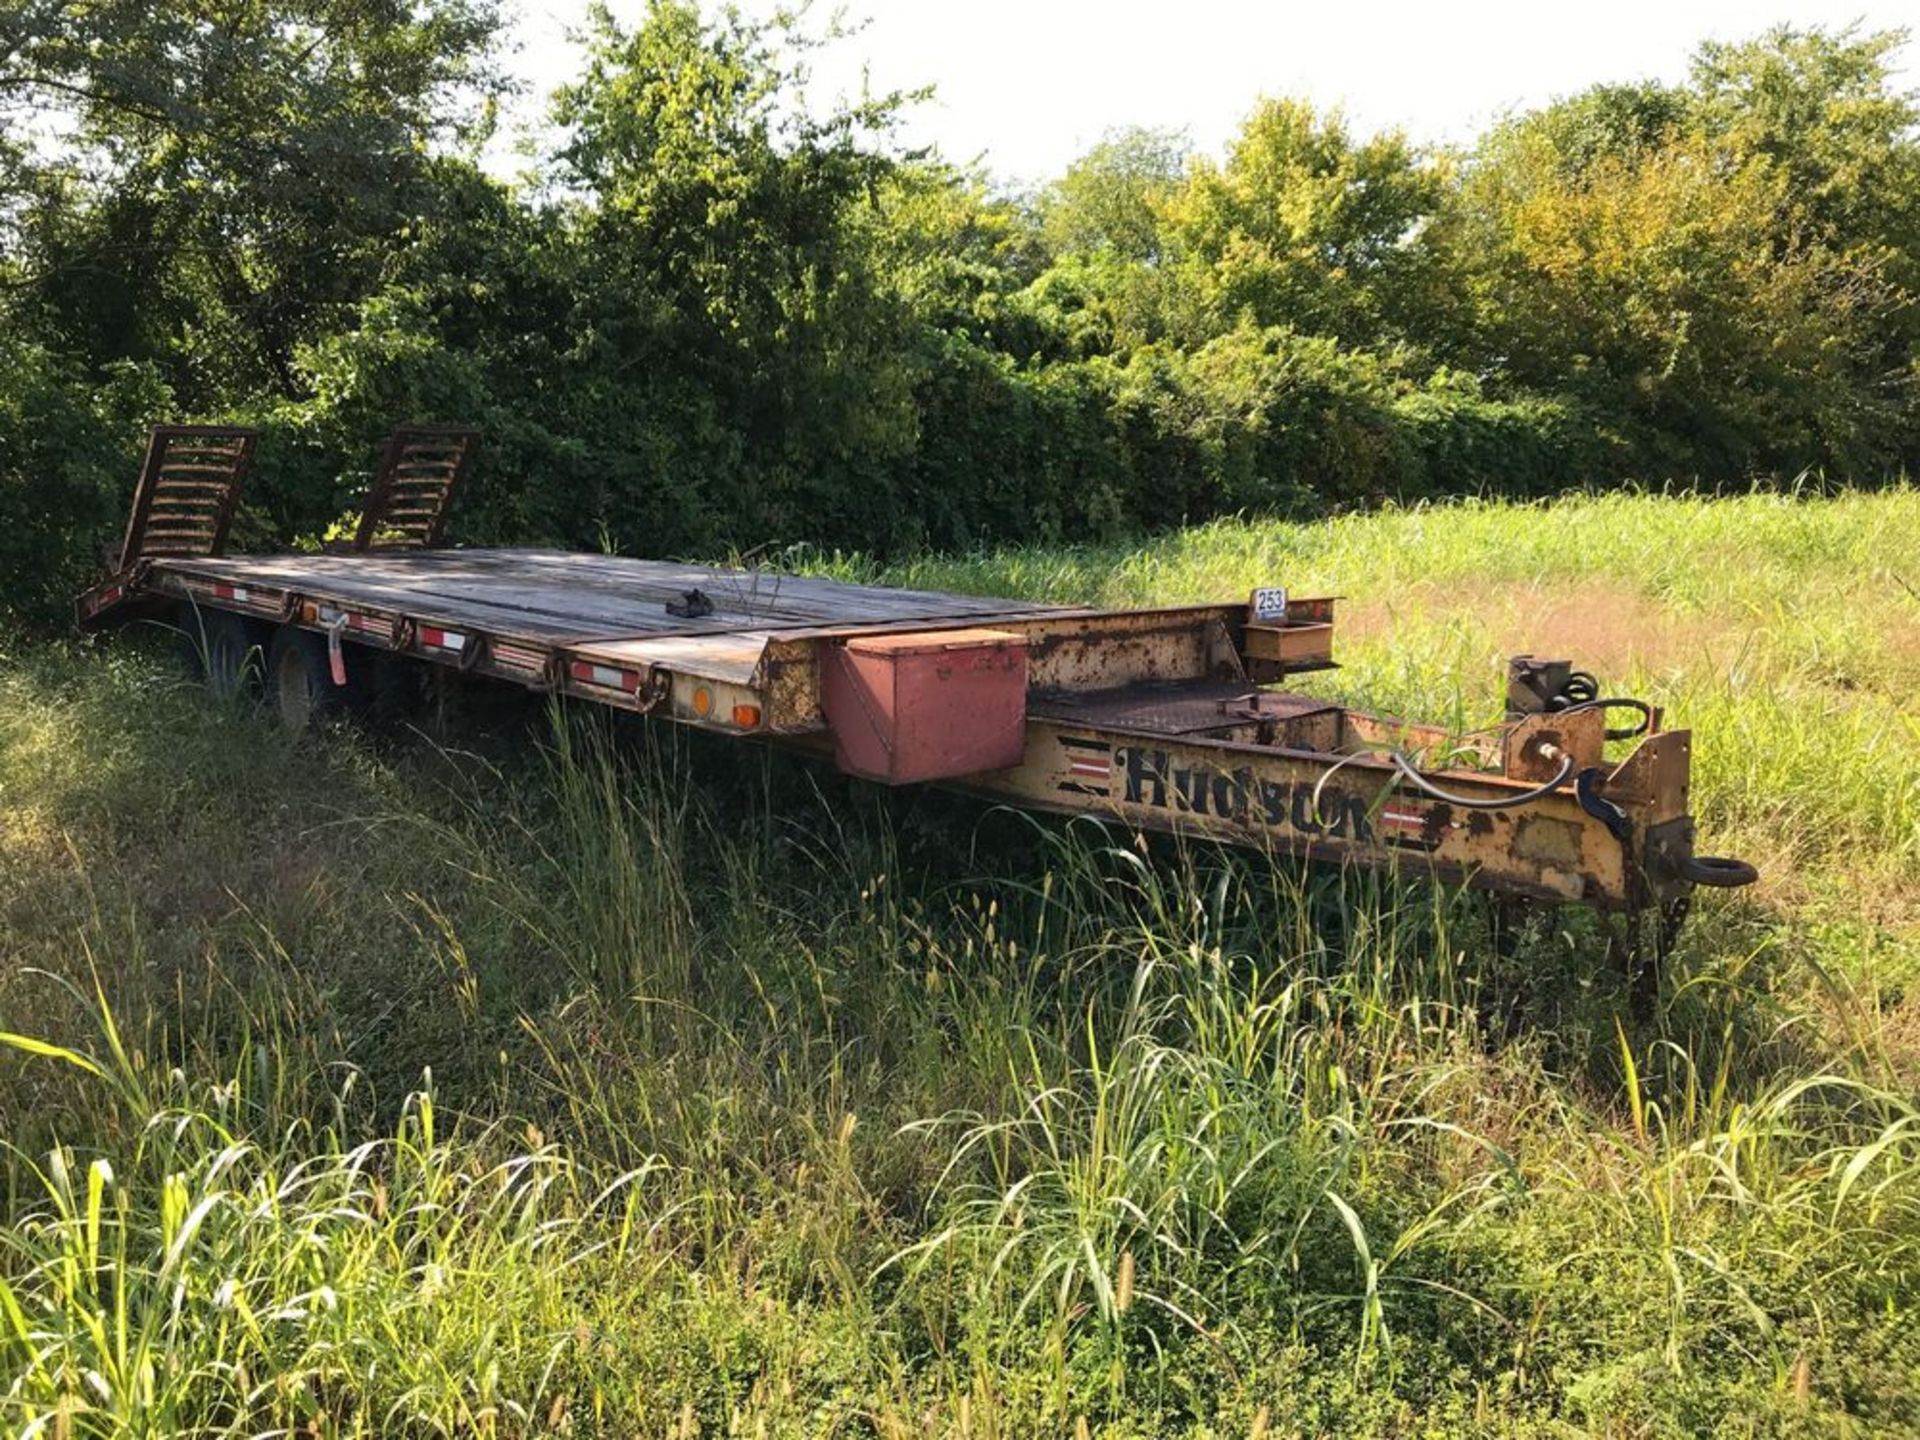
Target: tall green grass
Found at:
x=1784, y=630
x=592, y=1083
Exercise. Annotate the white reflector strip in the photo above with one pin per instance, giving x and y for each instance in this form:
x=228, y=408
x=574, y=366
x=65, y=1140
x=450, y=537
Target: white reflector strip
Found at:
x=607, y=675
x=352, y=620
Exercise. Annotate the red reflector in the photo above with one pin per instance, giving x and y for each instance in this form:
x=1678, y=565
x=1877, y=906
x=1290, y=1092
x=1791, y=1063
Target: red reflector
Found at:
x=609, y=677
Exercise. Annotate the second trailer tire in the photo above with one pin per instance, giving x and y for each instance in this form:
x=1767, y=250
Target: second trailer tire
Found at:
x=225, y=650
x=300, y=682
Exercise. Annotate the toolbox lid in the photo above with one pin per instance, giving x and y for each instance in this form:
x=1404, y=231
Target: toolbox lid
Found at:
x=926, y=642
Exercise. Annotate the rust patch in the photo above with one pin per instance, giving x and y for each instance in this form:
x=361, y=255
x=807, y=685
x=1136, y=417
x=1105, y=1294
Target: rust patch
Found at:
x=1550, y=841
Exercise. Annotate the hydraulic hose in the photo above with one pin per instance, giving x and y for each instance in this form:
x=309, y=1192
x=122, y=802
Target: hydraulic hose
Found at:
x=1420, y=782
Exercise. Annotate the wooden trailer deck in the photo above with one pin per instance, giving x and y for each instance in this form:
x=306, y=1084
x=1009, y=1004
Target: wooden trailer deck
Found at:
x=1159, y=718
x=562, y=596
x=595, y=623
x=603, y=606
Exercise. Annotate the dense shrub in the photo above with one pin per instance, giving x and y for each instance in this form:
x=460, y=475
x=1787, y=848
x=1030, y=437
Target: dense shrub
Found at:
x=65, y=440
x=1522, y=445
x=721, y=319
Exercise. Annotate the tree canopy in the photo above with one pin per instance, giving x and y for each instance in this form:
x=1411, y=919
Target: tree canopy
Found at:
x=718, y=317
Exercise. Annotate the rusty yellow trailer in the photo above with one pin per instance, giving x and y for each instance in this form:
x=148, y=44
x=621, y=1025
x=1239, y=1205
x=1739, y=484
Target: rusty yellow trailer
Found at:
x=1164, y=719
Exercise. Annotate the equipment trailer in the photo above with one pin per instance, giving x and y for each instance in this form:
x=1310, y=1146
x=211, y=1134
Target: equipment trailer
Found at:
x=1161, y=719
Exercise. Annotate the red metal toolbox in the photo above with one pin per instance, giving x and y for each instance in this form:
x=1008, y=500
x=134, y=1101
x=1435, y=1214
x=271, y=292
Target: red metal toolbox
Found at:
x=927, y=706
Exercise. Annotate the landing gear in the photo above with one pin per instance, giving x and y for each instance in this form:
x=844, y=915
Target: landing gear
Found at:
x=1642, y=941
x=1645, y=937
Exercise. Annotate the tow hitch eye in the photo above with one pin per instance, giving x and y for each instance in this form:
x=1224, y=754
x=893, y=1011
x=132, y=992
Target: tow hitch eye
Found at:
x=1720, y=871
x=1670, y=856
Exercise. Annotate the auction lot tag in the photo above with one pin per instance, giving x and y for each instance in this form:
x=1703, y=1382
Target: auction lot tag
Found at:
x=1270, y=603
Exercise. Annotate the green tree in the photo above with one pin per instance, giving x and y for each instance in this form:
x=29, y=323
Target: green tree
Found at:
x=723, y=317
x=203, y=180
x=1692, y=281
x=190, y=195
x=63, y=470
x=1306, y=226
x=1823, y=109
x=1114, y=197
x=728, y=232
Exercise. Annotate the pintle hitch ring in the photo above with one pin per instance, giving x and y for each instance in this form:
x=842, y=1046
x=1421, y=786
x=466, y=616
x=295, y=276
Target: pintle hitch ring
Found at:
x=1721, y=872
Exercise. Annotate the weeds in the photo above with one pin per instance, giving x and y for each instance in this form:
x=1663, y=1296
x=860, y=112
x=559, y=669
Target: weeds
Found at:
x=367, y=1089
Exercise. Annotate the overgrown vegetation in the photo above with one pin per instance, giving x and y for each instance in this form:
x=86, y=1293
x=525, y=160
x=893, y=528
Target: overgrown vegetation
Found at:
x=559, y=1081
x=544, y=1077
x=712, y=318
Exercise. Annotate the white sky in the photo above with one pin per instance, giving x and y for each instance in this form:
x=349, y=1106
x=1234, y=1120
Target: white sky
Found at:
x=1026, y=85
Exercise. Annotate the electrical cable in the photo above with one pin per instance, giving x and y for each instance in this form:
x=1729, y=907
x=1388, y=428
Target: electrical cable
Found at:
x=1420, y=782
x=1320, y=785
x=1405, y=768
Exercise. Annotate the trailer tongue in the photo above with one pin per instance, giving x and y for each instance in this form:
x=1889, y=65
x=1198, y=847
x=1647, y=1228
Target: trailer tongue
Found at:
x=1164, y=719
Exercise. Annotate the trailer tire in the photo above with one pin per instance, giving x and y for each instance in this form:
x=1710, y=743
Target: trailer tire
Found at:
x=224, y=650
x=300, y=681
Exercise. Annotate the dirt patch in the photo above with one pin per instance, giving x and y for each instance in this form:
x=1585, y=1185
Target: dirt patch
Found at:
x=1898, y=1036
x=1609, y=629
x=1903, y=641
x=1613, y=629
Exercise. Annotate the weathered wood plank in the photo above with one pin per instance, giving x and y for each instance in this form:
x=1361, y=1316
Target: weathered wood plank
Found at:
x=550, y=595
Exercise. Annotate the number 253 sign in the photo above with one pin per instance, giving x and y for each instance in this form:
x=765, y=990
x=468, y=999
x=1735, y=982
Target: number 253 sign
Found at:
x=1269, y=604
